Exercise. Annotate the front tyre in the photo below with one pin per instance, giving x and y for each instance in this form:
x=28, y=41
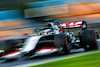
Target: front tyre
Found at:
x=10, y=46
x=60, y=40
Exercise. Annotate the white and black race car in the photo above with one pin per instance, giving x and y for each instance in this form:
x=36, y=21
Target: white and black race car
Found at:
x=52, y=39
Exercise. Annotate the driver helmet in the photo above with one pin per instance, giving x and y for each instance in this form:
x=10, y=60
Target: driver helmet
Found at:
x=46, y=31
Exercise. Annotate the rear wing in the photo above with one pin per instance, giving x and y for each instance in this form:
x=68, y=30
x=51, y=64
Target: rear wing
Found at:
x=71, y=25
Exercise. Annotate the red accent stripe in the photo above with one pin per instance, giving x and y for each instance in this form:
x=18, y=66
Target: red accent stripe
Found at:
x=61, y=30
x=47, y=48
x=11, y=53
x=25, y=34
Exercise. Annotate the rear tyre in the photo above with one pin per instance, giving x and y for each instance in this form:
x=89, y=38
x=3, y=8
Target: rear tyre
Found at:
x=61, y=41
x=9, y=46
x=89, y=40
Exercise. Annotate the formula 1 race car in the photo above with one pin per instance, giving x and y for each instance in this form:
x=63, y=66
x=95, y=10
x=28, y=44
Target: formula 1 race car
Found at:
x=52, y=39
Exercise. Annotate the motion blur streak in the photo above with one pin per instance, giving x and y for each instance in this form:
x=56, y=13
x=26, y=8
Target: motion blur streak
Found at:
x=84, y=11
x=72, y=10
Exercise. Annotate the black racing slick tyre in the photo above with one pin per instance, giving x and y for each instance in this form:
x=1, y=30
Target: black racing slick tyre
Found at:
x=10, y=46
x=60, y=40
x=89, y=40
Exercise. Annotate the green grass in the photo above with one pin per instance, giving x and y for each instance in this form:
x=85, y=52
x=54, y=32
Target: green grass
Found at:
x=91, y=60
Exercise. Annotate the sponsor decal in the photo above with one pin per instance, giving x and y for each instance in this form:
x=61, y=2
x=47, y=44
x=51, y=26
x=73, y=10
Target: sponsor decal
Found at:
x=71, y=24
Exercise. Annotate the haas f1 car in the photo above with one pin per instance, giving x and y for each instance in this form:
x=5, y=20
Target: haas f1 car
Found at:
x=52, y=39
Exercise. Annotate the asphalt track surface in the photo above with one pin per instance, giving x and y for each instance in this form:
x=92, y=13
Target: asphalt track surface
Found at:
x=23, y=61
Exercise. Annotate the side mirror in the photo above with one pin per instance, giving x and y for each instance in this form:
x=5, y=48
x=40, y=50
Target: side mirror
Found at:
x=84, y=25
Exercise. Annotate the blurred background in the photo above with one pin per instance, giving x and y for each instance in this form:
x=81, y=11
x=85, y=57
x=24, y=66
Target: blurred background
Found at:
x=18, y=17
x=16, y=14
